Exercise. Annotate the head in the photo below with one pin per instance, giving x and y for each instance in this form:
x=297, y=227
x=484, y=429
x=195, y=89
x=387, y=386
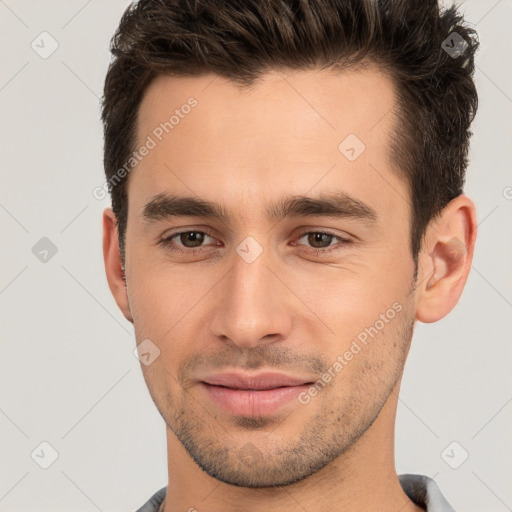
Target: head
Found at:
x=287, y=194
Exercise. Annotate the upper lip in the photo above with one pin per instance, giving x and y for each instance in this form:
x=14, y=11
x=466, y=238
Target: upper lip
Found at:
x=260, y=381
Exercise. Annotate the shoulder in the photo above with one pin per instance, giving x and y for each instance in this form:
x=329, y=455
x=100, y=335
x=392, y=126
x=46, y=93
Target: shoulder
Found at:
x=423, y=491
x=153, y=504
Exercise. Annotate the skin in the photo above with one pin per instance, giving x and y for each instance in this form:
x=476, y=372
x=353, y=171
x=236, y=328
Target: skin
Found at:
x=291, y=310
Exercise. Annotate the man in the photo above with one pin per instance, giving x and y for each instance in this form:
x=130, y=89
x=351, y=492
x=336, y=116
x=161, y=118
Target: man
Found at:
x=287, y=191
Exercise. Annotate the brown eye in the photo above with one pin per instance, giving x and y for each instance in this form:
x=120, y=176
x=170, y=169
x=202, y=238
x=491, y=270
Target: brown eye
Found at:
x=194, y=237
x=185, y=241
x=319, y=240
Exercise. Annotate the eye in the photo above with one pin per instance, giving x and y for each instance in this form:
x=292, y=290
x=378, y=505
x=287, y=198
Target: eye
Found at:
x=321, y=241
x=185, y=241
x=191, y=241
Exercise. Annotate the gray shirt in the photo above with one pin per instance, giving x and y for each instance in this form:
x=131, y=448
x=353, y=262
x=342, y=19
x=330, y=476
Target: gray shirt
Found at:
x=421, y=490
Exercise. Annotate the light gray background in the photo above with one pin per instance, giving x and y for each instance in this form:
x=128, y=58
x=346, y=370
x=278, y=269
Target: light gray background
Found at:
x=68, y=374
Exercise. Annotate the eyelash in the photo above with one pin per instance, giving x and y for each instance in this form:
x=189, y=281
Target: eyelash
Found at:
x=167, y=242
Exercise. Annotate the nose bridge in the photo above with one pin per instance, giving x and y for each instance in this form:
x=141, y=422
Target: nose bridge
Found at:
x=253, y=305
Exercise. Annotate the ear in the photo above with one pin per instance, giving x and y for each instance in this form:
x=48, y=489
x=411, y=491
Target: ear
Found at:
x=445, y=259
x=113, y=264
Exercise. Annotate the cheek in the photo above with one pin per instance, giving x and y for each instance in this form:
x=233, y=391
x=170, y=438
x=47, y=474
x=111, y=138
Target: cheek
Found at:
x=167, y=307
x=156, y=305
x=362, y=326
x=367, y=360
x=351, y=298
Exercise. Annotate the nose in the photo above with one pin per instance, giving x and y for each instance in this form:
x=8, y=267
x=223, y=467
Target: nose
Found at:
x=256, y=307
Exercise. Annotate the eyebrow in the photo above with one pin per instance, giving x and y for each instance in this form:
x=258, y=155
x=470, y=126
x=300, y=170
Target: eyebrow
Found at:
x=335, y=205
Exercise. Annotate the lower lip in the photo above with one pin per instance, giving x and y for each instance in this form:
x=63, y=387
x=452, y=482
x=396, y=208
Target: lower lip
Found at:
x=252, y=402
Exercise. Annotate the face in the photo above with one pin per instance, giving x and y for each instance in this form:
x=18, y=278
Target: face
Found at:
x=268, y=263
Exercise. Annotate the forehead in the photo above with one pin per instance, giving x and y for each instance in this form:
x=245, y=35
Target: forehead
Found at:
x=328, y=104
x=293, y=130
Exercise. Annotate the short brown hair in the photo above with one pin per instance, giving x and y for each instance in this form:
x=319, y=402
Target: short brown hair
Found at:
x=428, y=52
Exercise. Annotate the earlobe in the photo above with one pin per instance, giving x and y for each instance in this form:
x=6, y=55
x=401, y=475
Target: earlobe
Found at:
x=446, y=260
x=113, y=263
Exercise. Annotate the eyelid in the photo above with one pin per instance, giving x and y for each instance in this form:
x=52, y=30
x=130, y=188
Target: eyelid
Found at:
x=166, y=239
x=325, y=231
x=343, y=241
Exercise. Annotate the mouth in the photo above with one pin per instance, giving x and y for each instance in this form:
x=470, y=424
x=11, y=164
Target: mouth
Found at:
x=258, y=395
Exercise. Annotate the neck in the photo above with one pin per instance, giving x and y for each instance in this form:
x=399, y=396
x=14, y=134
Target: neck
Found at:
x=363, y=478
